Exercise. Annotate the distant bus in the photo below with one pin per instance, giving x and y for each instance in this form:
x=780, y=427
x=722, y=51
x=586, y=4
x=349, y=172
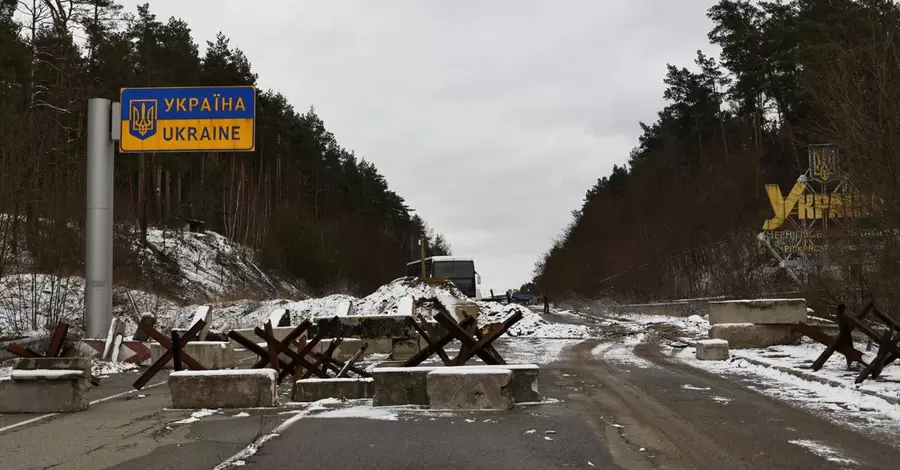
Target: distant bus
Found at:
x=460, y=271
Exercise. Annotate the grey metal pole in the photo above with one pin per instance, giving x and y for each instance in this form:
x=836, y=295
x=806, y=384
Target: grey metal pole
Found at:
x=98, y=236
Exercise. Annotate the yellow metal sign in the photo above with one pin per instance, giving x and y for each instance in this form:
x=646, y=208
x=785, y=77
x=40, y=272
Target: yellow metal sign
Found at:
x=188, y=119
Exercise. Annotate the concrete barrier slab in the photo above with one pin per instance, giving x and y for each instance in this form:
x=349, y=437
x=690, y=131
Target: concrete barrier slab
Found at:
x=397, y=385
x=758, y=312
x=470, y=388
x=369, y=326
x=237, y=388
x=44, y=395
x=46, y=385
x=210, y=354
x=400, y=386
x=55, y=363
x=403, y=349
x=746, y=335
x=346, y=349
x=344, y=388
x=712, y=350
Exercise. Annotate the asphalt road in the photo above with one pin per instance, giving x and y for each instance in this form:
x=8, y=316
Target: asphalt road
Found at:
x=608, y=416
x=611, y=416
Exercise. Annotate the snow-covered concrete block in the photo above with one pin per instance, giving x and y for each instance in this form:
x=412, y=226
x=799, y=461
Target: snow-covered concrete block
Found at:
x=204, y=312
x=46, y=385
x=236, y=388
x=747, y=335
x=344, y=388
x=712, y=350
x=277, y=316
x=758, y=312
x=344, y=308
x=470, y=388
x=406, y=306
x=210, y=354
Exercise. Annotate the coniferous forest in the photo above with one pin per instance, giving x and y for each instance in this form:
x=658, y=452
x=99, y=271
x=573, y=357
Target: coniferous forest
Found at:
x=313, y=211
x=681, y=218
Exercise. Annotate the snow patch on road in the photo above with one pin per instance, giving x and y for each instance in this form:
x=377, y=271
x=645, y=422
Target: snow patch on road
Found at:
x=691, y=387
x=105, y=368
x=359, y=412
x=532, y=351
x=196, y=416
x=824, y=451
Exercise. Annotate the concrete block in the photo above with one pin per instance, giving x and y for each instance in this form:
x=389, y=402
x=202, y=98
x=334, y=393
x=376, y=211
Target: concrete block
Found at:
x=64, y=394
x=712, y=350
x=204, y=312
x=397, y=385
x=402, y=349
x=524, y=383
x=368, y=326
x=470, y=388
x=279, y=333
x=758, y=312
x=210, y=354
x=55, y=363
x=381, y=346
x=400, y=386
x=345, y=388
x=345, y=349
x=745, y=335
x=46, y=385
x=236, y=388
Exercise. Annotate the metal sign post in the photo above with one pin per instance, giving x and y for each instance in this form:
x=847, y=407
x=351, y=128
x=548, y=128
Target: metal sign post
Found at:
x=99, y=233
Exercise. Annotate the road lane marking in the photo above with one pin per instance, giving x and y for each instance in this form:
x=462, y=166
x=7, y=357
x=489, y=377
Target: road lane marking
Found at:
x=254, y=446
x=99, y=400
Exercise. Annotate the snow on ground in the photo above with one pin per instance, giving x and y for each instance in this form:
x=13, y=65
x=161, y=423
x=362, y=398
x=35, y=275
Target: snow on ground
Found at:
x=102, y=368
x=196, y=416
x=842, y=404
x=864, y=407
x=532, y=324
x=29, y=302
x=824, y=451
x=801, y=357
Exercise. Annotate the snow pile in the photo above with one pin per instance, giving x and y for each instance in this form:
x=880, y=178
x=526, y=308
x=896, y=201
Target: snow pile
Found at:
x=385, y=300
x=532, y=325
x=204, y=265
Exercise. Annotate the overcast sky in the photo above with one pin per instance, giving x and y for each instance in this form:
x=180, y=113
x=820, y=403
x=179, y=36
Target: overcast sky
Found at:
x=490, y=117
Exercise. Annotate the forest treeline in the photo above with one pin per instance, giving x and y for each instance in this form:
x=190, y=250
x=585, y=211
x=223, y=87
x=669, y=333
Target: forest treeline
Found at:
x=312, y=210
x=681, y=218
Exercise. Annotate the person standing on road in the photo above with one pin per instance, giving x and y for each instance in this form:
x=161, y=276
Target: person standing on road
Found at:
x=546, y=305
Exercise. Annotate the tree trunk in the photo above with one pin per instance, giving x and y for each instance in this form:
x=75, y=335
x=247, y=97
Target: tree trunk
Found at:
x=167, y=203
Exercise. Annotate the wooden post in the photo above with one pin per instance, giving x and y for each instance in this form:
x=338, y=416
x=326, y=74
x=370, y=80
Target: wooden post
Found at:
x=176, y=350
x=422, y=255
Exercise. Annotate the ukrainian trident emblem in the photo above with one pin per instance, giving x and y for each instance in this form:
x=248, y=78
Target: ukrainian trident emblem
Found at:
x=824, y=162
x=143, y=115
